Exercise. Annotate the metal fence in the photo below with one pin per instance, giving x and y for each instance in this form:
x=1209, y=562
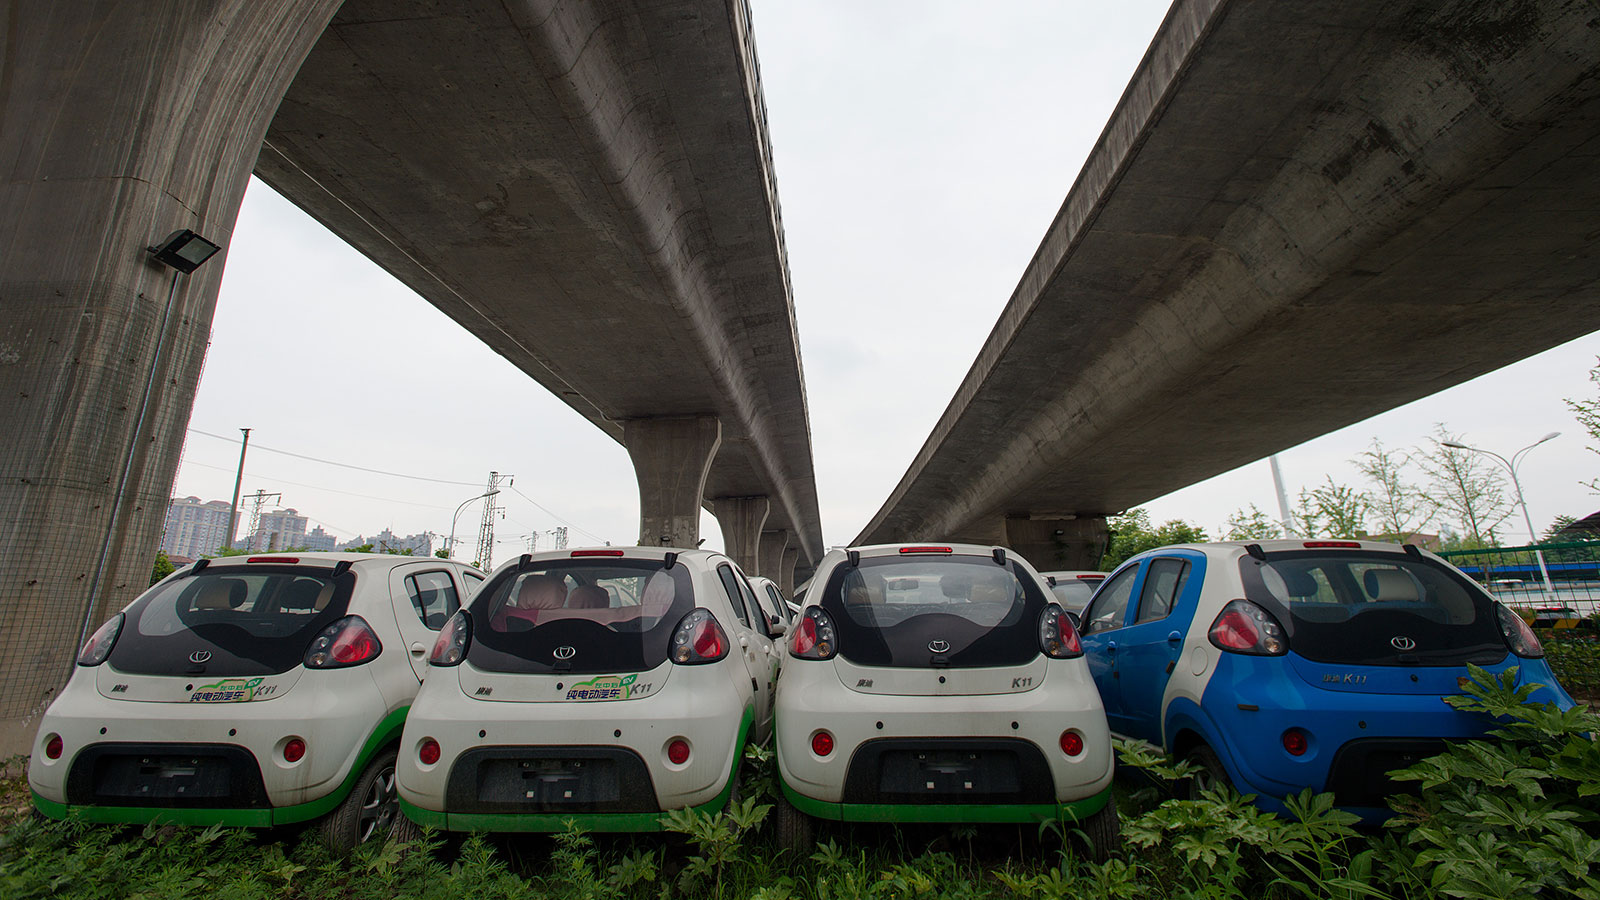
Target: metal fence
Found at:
x=1514, y=576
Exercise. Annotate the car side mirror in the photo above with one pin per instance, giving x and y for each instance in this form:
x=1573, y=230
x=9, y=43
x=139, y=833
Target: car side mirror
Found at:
x=1073, y=618
x=778, y=627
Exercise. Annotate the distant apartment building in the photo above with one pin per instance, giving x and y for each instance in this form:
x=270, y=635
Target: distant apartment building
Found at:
x=386, y=541
x=195, y=529
x=280, y=529
x=317, y=539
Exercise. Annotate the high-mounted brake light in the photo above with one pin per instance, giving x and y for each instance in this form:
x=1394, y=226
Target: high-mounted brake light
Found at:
x=1519, y=637
x=98, y=647
x=451, y=647
x=349, y=641
x=1337, y=545
x=925, y=550
x=273, y=559
x=698, y=639
x=814, y=637
x=1057, y=638
x=597, y=553
x=1091, y=578
x=1243, y=627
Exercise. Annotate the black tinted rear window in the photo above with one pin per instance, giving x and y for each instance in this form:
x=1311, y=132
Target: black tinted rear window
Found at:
x=1376, y=609
x=934, y=610
x=613, y=615
x=242, y=621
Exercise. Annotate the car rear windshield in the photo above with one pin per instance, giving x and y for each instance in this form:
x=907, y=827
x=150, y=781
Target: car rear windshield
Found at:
x=230, y=620
x=934, y=611
x=1073, y=593
x=583, y=616
x=1375, y=609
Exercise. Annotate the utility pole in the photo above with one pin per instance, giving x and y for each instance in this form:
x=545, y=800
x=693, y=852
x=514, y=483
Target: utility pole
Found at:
x=486, y=529
x=260, y=497
x=233, y=508
x=560, y=534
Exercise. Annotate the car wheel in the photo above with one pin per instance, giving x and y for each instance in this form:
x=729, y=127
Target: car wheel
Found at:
x=370, y=810
x=1212, y=775
x=404, y=831
x=794, y=829
x=1103, y=831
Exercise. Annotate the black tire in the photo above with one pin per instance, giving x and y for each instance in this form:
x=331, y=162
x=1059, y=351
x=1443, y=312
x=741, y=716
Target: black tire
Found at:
x=370, y=811
x=795, y=830
x=1212, y=773
x=1103, y=832
x=404, y=831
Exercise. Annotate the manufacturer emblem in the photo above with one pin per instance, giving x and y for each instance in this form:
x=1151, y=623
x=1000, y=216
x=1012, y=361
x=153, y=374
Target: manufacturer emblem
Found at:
x=1402, y=643
x=565, y=652
x=939, y=646
x=199, y=656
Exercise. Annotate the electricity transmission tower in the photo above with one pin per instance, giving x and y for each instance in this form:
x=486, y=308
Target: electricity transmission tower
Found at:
x=486, y=529
x=560, y=534
x=260, y=498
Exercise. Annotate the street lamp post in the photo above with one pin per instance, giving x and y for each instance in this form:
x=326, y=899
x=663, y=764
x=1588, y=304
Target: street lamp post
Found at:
x=450, y=544
x=1511, y=466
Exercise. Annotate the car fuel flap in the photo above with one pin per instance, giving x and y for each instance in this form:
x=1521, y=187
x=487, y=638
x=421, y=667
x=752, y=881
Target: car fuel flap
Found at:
x=199, y=687
x=522, y=687
x=1359, y=679
x=937, y=681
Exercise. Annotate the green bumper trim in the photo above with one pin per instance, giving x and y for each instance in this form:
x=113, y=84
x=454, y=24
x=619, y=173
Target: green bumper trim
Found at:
x=550, y=822
x=385, y=733
x=1072, y=811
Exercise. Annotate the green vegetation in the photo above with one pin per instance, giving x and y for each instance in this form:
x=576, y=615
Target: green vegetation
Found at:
x=1513, y=816
x=162, y=568
x=1132, y=533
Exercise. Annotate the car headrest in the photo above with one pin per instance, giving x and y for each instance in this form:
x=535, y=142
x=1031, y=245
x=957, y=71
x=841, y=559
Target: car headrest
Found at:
x=588, y=596
x=301, y=594
x=1390, y=586
x=541, y=592
x=222, y=593
x=659, y=592
x=956, y=585
x=1298, y=582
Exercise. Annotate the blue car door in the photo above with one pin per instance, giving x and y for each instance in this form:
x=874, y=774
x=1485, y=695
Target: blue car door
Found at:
x=1100, y=629
x=1151, y=643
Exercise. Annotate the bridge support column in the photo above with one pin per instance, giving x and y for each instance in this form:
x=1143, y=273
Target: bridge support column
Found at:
x=1054, y=544
x=741, y=519
x=122, y=123
x=785, y=576
x=770, y=558
x=671, y=458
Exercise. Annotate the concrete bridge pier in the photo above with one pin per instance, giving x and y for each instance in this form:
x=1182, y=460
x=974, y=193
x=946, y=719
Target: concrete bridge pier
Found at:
x=120, y=124
x=1052, y=544
x=671, y=458
x=770, y=558
x=741, y=519
x=785, y=579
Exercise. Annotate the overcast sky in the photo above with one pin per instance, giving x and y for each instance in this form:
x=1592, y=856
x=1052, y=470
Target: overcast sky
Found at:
x=921, y=151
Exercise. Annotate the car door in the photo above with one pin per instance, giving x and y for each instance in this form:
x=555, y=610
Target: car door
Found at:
x=424, y=597
x=1100, y=628
x=755, y=647
x=1149, y=646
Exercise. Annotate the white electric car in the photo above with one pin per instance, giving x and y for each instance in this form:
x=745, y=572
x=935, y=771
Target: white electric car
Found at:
x=772, y=600
x=938, y=684
x=249, y=690
x=604, y=686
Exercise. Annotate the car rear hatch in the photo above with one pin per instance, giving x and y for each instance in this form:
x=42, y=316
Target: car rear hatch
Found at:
x=575, y=629
x=225, y=634
x=925, y=622
x=1368, y=621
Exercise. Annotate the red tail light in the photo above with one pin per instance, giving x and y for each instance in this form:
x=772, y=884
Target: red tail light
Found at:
x=428, y=752
x=698, y=639
x=53, y=747
x=1057, y=638
x=814, y=636
x=294, y=750
x=98, y=647
x=451, y=647
x=822, y=743
x=1519, y=637
x=349, y=641
x=1071, y=743
x=678, y=752
x=1294, y=741
x=1243, y=627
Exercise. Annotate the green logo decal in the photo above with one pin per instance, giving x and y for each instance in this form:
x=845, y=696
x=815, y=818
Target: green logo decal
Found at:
x=608, y=687
x=230, y=690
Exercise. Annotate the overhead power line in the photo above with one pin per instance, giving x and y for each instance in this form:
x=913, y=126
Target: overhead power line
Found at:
x=318, y=487
x=557, y=516
x=341, y=465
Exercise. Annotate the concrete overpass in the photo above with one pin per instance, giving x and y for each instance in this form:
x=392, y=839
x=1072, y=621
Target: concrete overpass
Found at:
x=585, y=185
x=1300, y=214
